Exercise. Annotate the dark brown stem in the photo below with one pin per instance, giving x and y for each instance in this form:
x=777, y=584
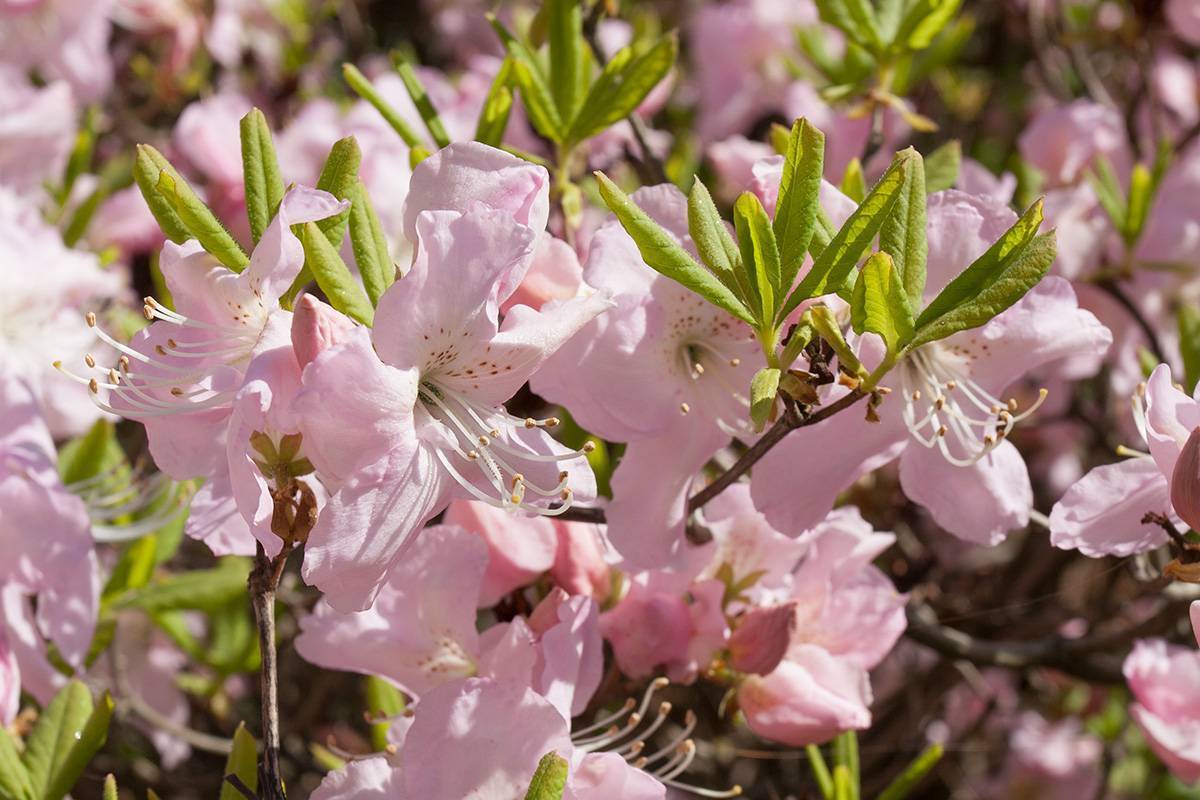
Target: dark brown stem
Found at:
x=242, y=788
x=875, y=140
x=1114, y=290
x=264, y=580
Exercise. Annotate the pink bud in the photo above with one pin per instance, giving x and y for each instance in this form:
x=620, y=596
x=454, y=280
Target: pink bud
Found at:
x=545, y=616
x=316, y=327
x=1185, y=482
x=579, y=565
x=761, y=638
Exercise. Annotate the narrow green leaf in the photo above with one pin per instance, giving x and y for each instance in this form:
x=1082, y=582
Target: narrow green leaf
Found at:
x=1141, y=195
x=714, y=243
x=924, y=21
x=371, y=253
x=913, y=774
x=339, y=176
x=260, y=171
x=879, y=304
x=847, y=246
x=856, y=18
x=663, y=254
x=58, y=728
x=420, y=98
x=232, y=639
x=622, y=86
x=200, y=221
x=854, y=183
x=799, y=198
x=760, y=253
x=200, y=589
x=942, y=167
x=90, y=454
x=345, y=293
x=367, y=91
x=15, y=780
x=1108, y=192
x=826, y=325
x=493, y=117
x=110, y=787
x=1016, y=277
x=841, y=783
x=80, y=159
x=903, y=233
x=242, y=762
x=763, y=388
x=985, y=269
x=798, y=339
x=568, y=61
x=550, y=778
x=1189, y=345
x=87, y=742
x=820, y=771
x=383, y=702
x=531, y=80
x=133, y=569
x=148, y=164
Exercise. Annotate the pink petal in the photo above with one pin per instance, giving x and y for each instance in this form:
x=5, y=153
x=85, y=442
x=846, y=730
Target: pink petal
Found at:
x=1102, y=513
x=521, y=546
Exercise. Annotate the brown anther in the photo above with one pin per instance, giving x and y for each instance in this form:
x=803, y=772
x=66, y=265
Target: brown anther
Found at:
x=517, y=478
x=684, y=408
x=113, y=377
x=94, y=386
x=472, y=455
x=550, y=422
x=148, y=313
x=1012, y=404
x=734, y=362
x=951, y=386
x=89, y=360
x=565, y=495
x=176, y=391
x=588, y=446
x=484, y=441
x=698, y=369
x=171, y=343
x=939, y=403
x=530, y=422
x=90, y=317
x=942, y=431
x=158, y=348
x=123, y=363
x=562, y=476
x=916, y=396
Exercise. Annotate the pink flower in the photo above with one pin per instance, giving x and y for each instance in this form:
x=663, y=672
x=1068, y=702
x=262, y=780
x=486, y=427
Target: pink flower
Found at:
x=1052, y=760
x=942, y=418
x=1165, y=681
x=37, y=129
x=422, y=396
x=482, y=739
x=10, y=682
x=581, y=560
x=1102, y=514
x=41, y=311
x=1063, y=141
x=1184, y=17
x=124, y=221
x=520, y=546
x=45, y=534
x=63, y=40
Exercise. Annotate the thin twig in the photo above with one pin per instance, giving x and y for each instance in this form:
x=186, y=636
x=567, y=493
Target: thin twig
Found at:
x=1114, y=290
x=263, y=581
x=244, y=790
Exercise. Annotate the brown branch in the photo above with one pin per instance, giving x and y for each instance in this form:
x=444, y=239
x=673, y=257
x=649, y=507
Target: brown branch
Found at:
x=263, y=581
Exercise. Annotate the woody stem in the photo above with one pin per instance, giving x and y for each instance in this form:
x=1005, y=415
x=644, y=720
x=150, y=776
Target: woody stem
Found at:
x=263, y=581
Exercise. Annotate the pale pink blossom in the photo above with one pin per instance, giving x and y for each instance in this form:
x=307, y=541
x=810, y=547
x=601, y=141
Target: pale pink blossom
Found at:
x=64, y=40
x=37, y=129
x=521, y=546
x=10, y=682
x=1063, y=141
x=1165, y=681
x=1184, y=18
x=1051, y=761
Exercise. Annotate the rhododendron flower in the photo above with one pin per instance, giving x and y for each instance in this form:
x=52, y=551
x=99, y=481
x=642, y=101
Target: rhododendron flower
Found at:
x=45, y=534
x=1104, y=513
x=946, y=421
x=41, y=310
x=10, y=682
x=1184, y=16
x=1165, y=681
x=425, y=391
x=1055, y=761
x=37, y=127
x=482, y=739
x=63, y=40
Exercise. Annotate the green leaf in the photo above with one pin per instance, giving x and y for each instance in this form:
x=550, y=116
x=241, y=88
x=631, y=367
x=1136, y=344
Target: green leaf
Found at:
x=1189, y=345
x=903, y=233
x=200, y=589
x=913, y=774
x=133, y=569
x=345, y=293
x=987, y=268
x=798, y=339
x=820, y=771
x=763, y=388
x=15, y=780
x=367, y=91
x=1141, y=195
x=233, y=639
x=826, y=325
x=760, y=253
x=550, y=778
x=942, y=167
x=260, y=171
x=1108, y=192
x=880, y=305
x=1015, y=277
x=148, y=164
x=420, y=98
x=714, y=243
x=58, y=728
x=842, y=786
x=493, y=117
x=664, y=255
x=86, y=744
x=854, y=183
x=242, y=762
x=924, y=21
x=622, y=86
x=568, y=55
x=91, y=454
x=799, y=198
x=847, y=246
x=845, y=750
x=371, y=253
x=383, y=701
x=339, y=177
x=531, y=80
x=110, y=787
x=80, y=159
x=200, y=221
x=856, y=18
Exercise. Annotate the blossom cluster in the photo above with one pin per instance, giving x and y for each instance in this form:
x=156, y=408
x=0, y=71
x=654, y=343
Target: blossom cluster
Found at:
x=599, y=400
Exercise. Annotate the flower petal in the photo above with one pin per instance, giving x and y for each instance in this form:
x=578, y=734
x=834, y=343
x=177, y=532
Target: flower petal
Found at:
x=1101, y=515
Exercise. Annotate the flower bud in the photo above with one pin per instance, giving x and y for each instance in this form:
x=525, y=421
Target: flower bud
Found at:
x=545, y=616
x=316, y=327
x=761, y=638
x=579, y=565
x=1185, y=482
